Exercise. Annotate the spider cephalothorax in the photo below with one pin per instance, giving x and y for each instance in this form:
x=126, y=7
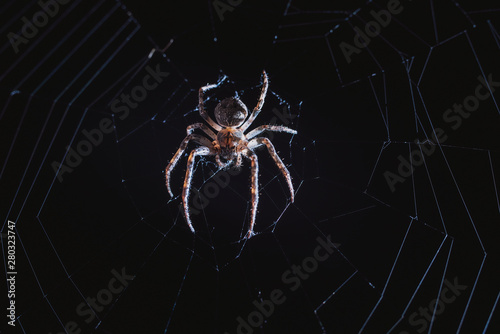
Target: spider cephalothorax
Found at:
x=230, y=143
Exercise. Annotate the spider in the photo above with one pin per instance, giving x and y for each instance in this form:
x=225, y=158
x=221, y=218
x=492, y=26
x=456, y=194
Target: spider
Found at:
x=229, y=145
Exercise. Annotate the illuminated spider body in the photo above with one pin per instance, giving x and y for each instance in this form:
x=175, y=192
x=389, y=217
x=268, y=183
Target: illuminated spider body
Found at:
x=229, y=145
x=229, y=140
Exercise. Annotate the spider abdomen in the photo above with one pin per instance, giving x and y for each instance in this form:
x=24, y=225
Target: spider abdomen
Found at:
x=231, y=112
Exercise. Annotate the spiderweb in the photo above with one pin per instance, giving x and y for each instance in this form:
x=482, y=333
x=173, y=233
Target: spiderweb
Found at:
x=395, y=222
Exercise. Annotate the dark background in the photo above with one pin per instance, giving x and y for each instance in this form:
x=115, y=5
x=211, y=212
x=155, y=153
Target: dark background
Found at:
x=395, y=249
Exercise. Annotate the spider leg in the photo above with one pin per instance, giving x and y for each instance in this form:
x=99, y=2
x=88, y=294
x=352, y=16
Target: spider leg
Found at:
x=200, y=151
x=190, y=129
x=182, y=147
x=203, y=112
x=270, y=147
x=254, y=189
x=277, y=128
x=259, y=105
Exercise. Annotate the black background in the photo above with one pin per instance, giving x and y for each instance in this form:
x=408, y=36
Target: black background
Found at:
x=113, y=211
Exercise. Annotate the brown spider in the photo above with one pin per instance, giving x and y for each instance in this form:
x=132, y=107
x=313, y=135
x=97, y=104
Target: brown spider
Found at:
x=230, y=143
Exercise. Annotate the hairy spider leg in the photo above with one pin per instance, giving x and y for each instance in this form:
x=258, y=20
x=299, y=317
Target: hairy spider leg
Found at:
x=190, y=129
x=259, y=105
x=200, y=151
x=256, y=142
x=182, y=147
x=203, y=112
x=276, y=128
x=254, y=189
